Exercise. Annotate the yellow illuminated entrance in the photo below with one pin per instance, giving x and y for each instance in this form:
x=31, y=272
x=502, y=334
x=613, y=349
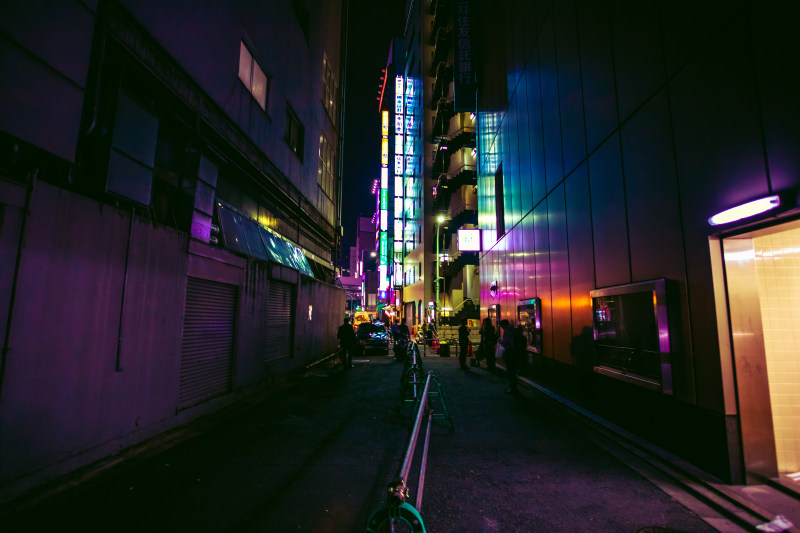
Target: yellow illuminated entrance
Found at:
x=762, y=276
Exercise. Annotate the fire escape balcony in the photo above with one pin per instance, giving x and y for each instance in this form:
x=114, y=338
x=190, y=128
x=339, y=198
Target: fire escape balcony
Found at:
x=443, y=85
x=441, y=123
x=463, y=209
x=457, y=263
x=450, y=181
x=441, y=14
x=442, y=43
x=462, y=138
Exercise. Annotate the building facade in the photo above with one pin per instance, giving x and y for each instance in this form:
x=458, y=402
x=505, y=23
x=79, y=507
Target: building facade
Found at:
x=400, y=206
x=608, y=135
x=452, y=107
x=170, y=195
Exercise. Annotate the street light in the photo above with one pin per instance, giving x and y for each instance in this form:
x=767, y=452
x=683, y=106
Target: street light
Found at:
x=439, y=221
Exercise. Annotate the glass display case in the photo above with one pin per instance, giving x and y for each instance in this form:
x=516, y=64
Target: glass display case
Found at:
x=632, y=334
x=529, y=316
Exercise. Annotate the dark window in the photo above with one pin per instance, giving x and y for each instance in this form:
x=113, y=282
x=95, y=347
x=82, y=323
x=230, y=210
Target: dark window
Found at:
x=133, y=150
x=303, y=18
x=499, y=201
x=293, y=133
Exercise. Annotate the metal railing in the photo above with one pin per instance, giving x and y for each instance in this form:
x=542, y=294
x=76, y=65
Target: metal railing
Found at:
x=398, y=507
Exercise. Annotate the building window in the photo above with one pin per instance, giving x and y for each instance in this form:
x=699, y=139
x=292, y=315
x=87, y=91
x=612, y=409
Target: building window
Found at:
x=499, y=201
x=303, y=16
x=253, y=77
x=293, y=133
x=327, y=157
x=329, y=88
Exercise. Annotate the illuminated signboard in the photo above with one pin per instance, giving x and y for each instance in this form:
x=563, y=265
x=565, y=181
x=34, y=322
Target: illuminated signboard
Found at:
x=383, y=274
x=398, y=95
x=464, y=75
x=469, y=240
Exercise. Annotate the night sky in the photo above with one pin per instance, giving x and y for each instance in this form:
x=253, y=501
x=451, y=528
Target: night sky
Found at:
x=371, y=27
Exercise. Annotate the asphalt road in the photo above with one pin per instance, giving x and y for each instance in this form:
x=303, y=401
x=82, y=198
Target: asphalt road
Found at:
x=317, y=457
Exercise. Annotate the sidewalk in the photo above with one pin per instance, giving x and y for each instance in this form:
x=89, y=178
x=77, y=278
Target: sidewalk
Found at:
x=777, y=502
x=318, y=456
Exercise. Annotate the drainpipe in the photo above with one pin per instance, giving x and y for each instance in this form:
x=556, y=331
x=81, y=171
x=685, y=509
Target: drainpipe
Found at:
x=15, y=278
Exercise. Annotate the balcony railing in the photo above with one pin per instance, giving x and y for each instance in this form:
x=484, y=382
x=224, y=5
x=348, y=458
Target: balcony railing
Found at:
x=442, y=87
x=444, y=111
x=441, y=14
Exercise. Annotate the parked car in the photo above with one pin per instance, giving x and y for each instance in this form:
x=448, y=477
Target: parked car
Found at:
x=361, y=317
x=373, y=337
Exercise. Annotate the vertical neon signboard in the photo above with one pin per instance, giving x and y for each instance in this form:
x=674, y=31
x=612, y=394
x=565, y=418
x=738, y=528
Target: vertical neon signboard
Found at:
x=382, y=204
x=400, y=137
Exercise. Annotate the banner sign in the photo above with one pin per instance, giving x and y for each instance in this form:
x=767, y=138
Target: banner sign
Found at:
x=463, y=67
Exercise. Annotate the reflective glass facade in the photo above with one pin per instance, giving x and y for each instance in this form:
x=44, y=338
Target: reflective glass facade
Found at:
x=608, y=135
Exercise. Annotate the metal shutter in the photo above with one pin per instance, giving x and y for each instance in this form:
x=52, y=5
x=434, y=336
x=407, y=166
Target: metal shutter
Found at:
x=279, y=320
x=208, y=333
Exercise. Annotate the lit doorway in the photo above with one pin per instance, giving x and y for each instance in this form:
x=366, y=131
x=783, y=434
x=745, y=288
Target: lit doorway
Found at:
x=762, y=292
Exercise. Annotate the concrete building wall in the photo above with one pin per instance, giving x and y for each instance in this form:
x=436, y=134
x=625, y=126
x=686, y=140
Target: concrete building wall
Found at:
x=293, y=65
x=94, y=355
x=626, y=125
x=89, y=369
x=46, y=61
x=93, y=287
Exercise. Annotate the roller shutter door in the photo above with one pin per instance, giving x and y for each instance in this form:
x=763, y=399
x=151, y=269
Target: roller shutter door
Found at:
x=208, y=335
x=279, y=320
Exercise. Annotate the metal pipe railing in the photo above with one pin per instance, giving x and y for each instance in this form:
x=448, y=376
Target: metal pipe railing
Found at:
x=421, y=484
x=412, y=440
x=397, y=506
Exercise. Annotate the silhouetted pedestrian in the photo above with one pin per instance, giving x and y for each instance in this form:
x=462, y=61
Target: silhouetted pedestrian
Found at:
x=347, y=341
x=463, y=344
x=488, y=343
x=509, y=355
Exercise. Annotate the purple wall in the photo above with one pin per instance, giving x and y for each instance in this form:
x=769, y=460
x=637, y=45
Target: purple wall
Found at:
x=77, y=388
x=626, y=126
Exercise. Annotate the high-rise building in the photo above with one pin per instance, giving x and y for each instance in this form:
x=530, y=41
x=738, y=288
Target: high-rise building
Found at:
x=440, y=274
x=400, y=204
x=637, y=189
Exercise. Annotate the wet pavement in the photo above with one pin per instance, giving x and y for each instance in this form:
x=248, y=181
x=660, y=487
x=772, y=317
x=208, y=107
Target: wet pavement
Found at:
x=317, y=457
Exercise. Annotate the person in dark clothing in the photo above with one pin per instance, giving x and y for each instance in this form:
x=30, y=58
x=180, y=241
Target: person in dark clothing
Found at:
x=507, y=342
x=401, y=344
x=347, y=342
x=463, y=343
x=403, y=330
x=488, y=343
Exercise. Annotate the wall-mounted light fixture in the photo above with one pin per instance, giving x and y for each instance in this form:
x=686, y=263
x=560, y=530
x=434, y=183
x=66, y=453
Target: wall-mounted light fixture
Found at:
x=750, y=209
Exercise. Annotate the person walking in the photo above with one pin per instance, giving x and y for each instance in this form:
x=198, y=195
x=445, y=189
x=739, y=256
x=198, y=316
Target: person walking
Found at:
x=509, y=355
x=463, y=344
x=347, y=341
x=488, y=343
x=403, y=339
